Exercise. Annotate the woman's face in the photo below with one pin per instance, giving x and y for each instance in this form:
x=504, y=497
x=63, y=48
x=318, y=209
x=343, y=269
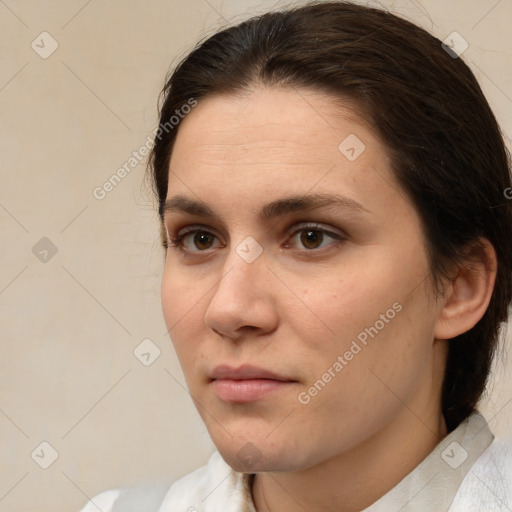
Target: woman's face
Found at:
x=307, y=261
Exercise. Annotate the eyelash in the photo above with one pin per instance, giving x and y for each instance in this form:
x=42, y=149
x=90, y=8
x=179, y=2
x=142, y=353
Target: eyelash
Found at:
x=177, y=242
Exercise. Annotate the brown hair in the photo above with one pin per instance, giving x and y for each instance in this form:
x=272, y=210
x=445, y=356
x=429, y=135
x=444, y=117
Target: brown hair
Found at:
x=445, y=145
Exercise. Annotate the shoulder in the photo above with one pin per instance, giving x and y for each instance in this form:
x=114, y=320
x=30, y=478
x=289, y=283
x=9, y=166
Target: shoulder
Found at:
x=217, y=482
x=189, y=490
x=103, y=501
x=488, y=484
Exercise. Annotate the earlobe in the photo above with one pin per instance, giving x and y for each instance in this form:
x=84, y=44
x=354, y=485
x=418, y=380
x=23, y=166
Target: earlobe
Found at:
x=469, y=293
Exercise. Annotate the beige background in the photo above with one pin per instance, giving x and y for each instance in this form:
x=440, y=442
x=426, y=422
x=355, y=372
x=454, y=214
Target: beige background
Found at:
x=69, y=325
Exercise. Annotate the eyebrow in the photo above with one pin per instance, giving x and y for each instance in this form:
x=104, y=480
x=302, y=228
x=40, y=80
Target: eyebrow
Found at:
x=270, y=210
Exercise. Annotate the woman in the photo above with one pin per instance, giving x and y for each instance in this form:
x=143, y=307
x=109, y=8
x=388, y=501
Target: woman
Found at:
x=337, y=267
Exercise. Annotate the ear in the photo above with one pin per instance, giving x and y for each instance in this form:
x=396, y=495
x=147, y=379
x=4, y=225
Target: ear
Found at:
x=468, y=295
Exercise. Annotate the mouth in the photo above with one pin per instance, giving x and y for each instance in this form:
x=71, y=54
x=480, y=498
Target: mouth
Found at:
x=246, y=383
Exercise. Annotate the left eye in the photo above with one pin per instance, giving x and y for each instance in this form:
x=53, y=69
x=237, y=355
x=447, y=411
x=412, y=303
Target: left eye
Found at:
x=313, y=237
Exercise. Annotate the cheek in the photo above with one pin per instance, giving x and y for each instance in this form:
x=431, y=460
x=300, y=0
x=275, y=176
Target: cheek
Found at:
x=344, y=302
x=183, y=309
x=181, y=294
x=372, y=303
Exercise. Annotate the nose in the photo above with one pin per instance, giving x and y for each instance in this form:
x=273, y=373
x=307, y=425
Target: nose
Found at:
x=242, y=301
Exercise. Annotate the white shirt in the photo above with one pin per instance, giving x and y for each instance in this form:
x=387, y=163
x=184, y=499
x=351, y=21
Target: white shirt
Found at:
x=468, y=471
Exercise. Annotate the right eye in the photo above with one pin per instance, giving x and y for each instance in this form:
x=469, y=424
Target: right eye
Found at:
x=192, y=239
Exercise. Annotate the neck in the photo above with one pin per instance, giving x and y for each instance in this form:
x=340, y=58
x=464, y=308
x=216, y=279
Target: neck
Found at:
x=353, y=480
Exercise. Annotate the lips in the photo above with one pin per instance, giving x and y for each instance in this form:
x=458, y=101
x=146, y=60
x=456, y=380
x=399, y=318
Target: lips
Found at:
x=245, y=372
x=246, y=383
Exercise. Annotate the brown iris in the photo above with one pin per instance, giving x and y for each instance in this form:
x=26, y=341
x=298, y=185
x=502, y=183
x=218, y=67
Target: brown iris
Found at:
x=311, y=238
x=203, y=240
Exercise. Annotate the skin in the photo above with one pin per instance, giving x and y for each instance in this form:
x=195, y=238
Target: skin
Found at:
x=301, y=304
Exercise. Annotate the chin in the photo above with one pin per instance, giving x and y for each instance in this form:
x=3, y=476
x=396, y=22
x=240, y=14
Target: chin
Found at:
x=249, y=459
x=247, y=456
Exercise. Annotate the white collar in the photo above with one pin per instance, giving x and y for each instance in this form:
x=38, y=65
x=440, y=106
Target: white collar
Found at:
x=431, y=486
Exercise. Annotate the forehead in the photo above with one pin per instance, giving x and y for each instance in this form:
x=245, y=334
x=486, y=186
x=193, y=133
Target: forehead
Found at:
x=269, y=141
x=271, y=121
